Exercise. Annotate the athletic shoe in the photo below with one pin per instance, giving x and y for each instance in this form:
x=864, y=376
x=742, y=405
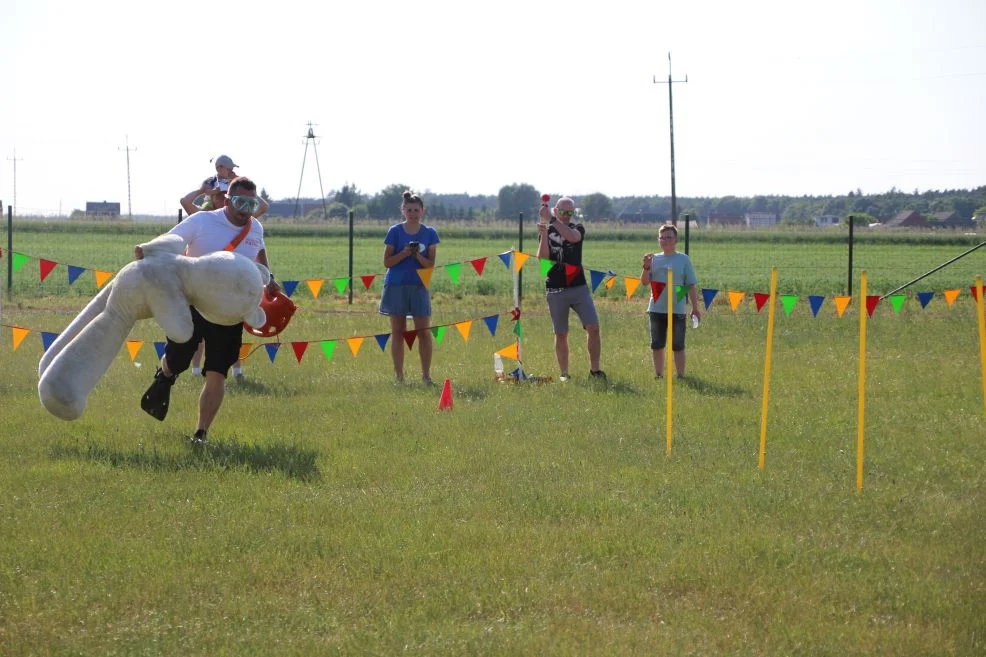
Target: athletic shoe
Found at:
x=427, y=381
x=155, y=400
x=564, y=378
x=598, y=374
x=199, y=439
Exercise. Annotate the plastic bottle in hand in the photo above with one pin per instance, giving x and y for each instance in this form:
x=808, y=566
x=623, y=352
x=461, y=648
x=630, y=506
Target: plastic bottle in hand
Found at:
x=694, y=321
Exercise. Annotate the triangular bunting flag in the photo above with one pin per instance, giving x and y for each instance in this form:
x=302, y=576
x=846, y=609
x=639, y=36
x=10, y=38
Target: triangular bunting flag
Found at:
x=657, y=289
x=491, y=323
x=735, y=299
x=454, y=269
x=708, y=295
x=519, y=329
x=102, y=277
x=816, y=302
x=505, y=259
x=409, y=337
x=478, y=265
x=632, y=284
x=425, y=275
x=680, y=292
x=245, y=350
x=299, y=349
x=924, y=298
x=159, y=348
x=315, y=285
x=897, y=302
x=788, y=301
x=439, y=333
x=951, y=296
x=871, y=301
x=546, y=266
x=760, y=298
x=367, y=280
x=354, y=345
x=509, y=351
x=464, y=328
x=611, y=282
x=289, y=287
x=47, y=339
x=595, y=278
x=341, y=285
x=133, y=347
x=328, y=348
x=19, y=335
x=519, y=259
x=571, y=271
x=272, y=348
x=46, y=267
x=19, y=260
x=975, y=294
x=841, y=303
x=74, y=272
x=382, y=339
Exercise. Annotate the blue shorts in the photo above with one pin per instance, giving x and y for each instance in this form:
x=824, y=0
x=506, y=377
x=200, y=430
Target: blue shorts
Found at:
x=403, y=300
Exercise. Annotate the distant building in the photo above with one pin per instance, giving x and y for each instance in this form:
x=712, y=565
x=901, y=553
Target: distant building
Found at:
x=722, y=219
x=827, y=220
x=950, y=220
x=103, y=209
x=641, y=217
x=760, y=219
x=907, y=219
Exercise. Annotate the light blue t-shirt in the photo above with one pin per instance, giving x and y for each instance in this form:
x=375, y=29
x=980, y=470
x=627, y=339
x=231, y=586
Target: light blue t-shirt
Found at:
x=682, y=274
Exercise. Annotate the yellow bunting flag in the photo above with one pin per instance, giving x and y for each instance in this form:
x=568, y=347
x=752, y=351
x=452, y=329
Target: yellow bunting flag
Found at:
x=519, y=259
x=951, y=296
x=245, y=350
x=841, y=303
x=19, y=335
x=102, y=277
x=509, y=352
x=354, y=345
x=610, y=282
x=735, y=298
x=632, y=285
x=425, y=275
x=315, y=285
x=133, y=346
x=464, y=328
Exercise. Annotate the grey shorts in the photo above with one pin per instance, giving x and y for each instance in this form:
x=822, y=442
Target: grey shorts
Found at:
x=577, y=298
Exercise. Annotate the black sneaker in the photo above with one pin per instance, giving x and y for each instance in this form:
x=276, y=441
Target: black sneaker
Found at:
x=199, y=439
x=598, y=374
x=155, y=400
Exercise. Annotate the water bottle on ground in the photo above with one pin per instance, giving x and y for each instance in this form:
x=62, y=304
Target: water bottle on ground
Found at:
x=498, y=367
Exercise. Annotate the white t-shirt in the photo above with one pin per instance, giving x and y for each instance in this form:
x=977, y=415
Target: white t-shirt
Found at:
x=209, y=231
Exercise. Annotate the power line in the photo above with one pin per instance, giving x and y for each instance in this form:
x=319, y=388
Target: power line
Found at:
x=671, y=83
x=15, y=159
x=128, y=149
x=310, y=137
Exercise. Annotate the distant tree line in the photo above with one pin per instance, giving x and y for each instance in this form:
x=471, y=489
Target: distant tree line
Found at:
x=523, y=197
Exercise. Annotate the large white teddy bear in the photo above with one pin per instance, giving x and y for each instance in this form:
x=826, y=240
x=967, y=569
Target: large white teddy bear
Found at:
x=224, y=287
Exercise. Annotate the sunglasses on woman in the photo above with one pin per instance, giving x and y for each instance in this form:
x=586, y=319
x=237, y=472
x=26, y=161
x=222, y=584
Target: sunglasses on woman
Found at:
x=244, y=203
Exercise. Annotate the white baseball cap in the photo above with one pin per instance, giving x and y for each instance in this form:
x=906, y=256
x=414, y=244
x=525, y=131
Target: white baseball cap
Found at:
x=225, y=161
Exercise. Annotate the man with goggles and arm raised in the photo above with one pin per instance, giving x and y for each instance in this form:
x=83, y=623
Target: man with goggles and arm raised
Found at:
x=230, y=228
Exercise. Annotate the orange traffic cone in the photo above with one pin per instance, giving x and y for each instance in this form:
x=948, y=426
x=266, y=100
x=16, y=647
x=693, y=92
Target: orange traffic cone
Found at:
x=445, y=401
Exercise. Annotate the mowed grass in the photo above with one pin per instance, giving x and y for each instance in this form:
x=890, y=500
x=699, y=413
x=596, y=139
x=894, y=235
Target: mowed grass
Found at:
x=340, y=514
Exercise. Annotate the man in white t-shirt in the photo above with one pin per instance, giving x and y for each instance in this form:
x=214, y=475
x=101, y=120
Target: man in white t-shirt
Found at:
x=206, y=232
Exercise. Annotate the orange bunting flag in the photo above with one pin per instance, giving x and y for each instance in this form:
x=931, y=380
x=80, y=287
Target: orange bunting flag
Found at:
x=102, y=277
x=133, y=346
x=464, y=328
x=46, y=267
x=245, y=350
x=315, y=285
x=610, y=282
x=368, y=280
x=951, y=296
x=841, y=303
x=519, y=259
x=760, y=298
x=299, y=349
x=735, y=299
x=354, y=345
x=19, y=335
x=425, y=275
x=632, y=285
x=510, y=352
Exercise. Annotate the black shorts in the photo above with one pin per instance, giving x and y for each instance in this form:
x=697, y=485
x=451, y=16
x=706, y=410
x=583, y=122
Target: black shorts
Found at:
x=659, y=331
x=222, y=346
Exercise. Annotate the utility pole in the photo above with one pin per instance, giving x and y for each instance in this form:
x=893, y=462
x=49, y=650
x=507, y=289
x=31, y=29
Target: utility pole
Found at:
x=130, y=213
x=310, y=137
x=15, y=159
x=671, y=83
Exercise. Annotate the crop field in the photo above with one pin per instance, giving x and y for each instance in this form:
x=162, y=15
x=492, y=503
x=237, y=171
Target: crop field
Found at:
x=337, y=513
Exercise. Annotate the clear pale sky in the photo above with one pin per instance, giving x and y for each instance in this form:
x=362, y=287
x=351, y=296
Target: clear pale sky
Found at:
x=453, y=97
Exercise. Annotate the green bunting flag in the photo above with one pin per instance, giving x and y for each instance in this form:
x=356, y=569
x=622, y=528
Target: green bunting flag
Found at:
x=439, y=333
x=546, y=265
x=19, y=261
x=453, y=271
x=328, y=348
x=897, y=302
x=341, y=285
x=518, y=330
x=789, y=301
x=679, y=292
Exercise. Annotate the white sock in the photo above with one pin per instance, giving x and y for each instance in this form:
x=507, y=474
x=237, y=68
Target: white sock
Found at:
x=237, y=371
x=196, y=371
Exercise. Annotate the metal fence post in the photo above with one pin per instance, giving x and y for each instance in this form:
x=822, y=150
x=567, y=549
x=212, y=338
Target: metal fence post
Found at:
x=851, y=245
x=520, y=247
x=351, y=214
x=10, y=248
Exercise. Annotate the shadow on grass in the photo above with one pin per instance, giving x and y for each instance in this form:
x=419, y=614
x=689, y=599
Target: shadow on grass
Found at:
x=245, y=386
x=291, y=461
x=710, y=388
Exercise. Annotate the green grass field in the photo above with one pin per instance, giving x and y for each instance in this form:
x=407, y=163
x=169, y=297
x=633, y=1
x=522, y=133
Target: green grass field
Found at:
x=339, y=514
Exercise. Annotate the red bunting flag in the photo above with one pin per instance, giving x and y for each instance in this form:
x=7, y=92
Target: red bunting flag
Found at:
x=409, y=337
x=656, y=289
x=760, y=298
x=975, y=295
x=571, y=271
x=515, y=314
x=46, y=267
x=299, y=349
x=871, y=301
x=368, y=280
x=478, y=265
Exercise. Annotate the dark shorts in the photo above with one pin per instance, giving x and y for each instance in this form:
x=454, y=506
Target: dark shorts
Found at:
x=659, y=331
x=222, y=346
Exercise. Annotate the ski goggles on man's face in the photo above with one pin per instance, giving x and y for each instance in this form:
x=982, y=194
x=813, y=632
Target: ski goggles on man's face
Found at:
x=244, y=203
